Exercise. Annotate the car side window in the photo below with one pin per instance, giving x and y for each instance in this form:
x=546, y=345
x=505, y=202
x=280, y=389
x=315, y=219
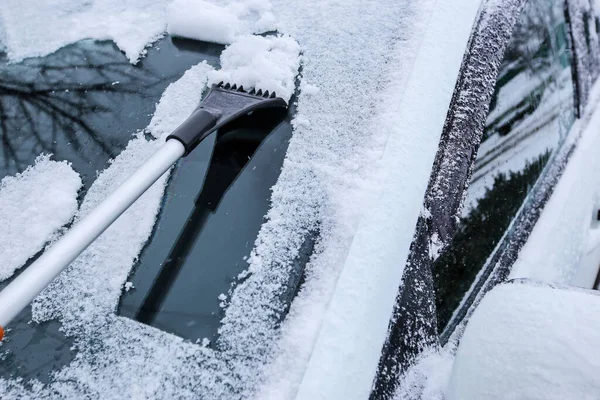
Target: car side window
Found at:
x=530, y=114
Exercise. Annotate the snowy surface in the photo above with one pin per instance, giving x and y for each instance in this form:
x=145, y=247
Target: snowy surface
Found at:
x=267, y=63
x=540, y=132
x=201, y=20
x=90, y=288
x=33, y=206
x=559, y=239
x=527, y=341
x=428, y=377
x=33, y=28
x=30, y=28
x=369, y=70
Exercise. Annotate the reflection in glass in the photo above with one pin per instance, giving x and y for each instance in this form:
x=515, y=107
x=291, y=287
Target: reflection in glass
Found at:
x=530, y=114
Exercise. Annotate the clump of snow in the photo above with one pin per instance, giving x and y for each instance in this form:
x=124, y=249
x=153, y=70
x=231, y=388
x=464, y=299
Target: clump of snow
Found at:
x=267, y=63
x=79, y=295
x=527, y=341
x=186, y=94
x=428, y=377
x=33, y=206
x=201, y=20
x=90, y=288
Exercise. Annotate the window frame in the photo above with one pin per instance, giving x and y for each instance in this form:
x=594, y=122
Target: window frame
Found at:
x=413, y=324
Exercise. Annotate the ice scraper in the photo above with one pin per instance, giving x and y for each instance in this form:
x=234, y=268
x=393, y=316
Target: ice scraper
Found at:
x=223, y=104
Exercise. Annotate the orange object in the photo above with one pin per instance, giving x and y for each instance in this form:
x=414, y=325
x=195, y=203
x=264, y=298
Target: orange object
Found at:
x=1, y=333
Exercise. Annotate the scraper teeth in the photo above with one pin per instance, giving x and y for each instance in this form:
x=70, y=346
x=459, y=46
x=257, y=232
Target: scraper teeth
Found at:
x=227, y=86
x=241, y=89
x=234, y=87
x=252, y=91
x=266, y=94
x=259, y=93
x=220, y=84
x=273, y=95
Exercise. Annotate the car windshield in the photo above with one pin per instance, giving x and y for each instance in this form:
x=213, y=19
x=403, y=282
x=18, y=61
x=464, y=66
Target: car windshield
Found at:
x=82, y=104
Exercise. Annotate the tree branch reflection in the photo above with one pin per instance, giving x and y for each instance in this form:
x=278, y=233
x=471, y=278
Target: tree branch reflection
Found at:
x=52, y=100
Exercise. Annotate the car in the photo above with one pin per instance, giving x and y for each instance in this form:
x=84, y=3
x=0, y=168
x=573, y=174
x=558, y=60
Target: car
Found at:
x=321, y=253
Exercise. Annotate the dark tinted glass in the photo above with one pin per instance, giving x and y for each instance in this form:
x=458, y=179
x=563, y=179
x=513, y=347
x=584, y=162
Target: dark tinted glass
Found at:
x=530, y=114
x=81, y=103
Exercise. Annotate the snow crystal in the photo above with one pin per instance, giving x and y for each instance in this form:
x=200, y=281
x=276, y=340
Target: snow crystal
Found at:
x=33, y=206
x=527, y=341
x=267, y=63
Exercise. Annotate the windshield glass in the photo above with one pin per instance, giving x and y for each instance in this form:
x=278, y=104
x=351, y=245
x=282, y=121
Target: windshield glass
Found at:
x=82, y=104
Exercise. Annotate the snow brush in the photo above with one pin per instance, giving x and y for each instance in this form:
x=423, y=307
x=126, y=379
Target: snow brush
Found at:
x=223, y=104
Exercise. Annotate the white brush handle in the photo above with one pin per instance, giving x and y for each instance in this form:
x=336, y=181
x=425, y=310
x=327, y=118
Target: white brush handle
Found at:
x=21, y=291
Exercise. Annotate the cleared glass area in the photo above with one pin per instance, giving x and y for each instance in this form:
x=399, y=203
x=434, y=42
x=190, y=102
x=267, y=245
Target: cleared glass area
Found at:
x=81, y=103
x=530, y=114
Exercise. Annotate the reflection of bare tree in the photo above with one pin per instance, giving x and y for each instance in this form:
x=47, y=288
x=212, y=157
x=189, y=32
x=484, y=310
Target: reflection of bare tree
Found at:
x=44, y=102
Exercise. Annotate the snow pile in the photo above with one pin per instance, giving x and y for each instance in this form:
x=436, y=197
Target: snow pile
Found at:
x=267, y=63
x=33, y=206
x=30, y=28
x=527, y=341
x=179, y=100
x=201, y=20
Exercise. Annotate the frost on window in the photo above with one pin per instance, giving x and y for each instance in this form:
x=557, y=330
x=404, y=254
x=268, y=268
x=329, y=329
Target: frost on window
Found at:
x=530, y=114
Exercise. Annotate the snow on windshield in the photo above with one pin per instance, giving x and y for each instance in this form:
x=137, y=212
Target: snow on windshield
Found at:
x=31, y=28
x=325, y=185
x=34, y=205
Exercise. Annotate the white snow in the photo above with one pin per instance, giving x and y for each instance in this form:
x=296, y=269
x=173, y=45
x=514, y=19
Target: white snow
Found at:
x=558, y=241
x=376, y=66
x=527, y=341
x=34, y=205
x=428, y=377
x=31, y=28
x=267, y=63
x=91, y=286
x=200, y=20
